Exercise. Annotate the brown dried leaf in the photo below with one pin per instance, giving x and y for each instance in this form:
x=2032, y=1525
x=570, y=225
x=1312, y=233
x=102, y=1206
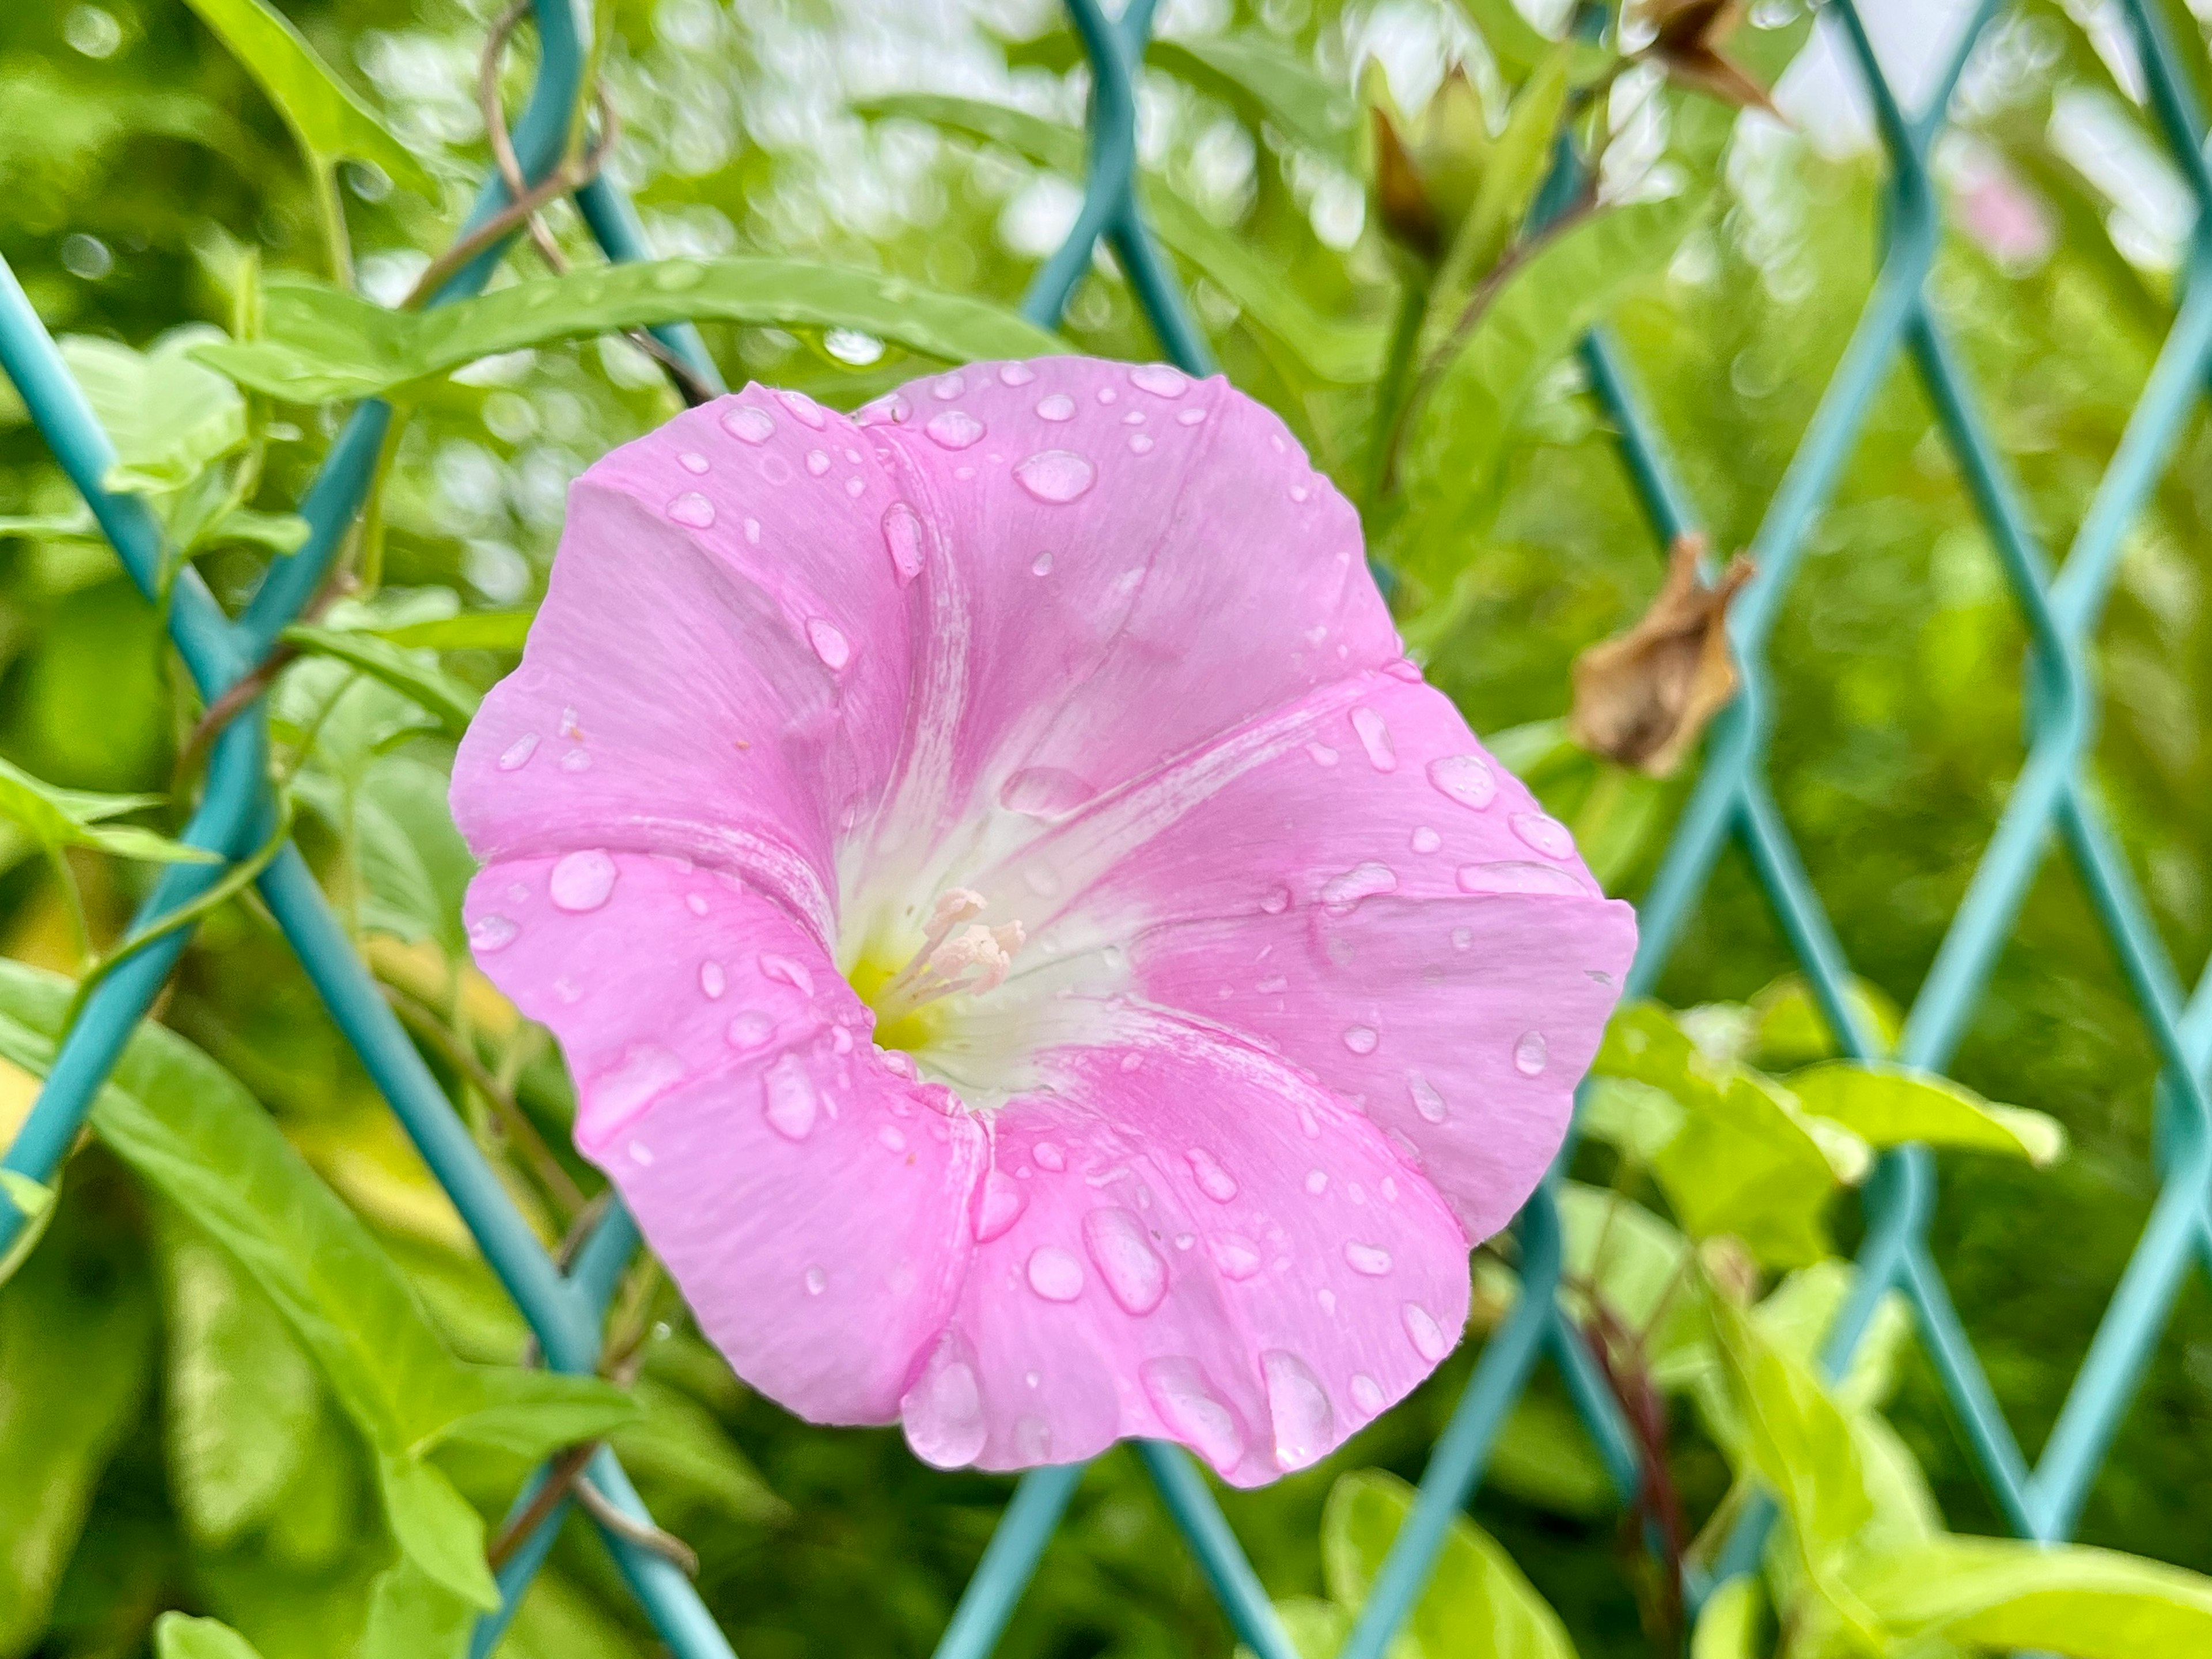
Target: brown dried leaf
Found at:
x=1644, y=697
x=1688, y=45
x=1404, y=204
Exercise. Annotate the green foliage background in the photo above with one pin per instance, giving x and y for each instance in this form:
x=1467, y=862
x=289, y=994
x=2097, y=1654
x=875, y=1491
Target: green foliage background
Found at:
x=163, y=1444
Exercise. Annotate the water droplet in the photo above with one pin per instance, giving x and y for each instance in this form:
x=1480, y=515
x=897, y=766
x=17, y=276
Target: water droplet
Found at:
x=1055, y=1274
x=752, y=531
x=1139, y=444
x=1135, y=417
x=1135, y=1276
x=1041, y=565
x=1547, y=836
x=1361, y=881
x=783, y=968
x=1055, y=475
x=1276, y=901
x=807, y=412
x=892, y=1137
x=1216, y=1183
x=581, y=881
x=841, y=1040
x=1462, y=938
x=1184, y=1241
x=1317, y=1181
x=1057, y=407
x=695, y=903
x=712, y=980
x=646, y=1070
x=1000, y=1206
x=903, y=539
x=576, y=760
x=788, y=1097
x=1237, y=1256
x=1016, y=374
x=1375, y=739
x=1426, y=1101
x=1366, y=1393
x=817, y=462
x=1045, y=792
x=1467, y=778
x=1032, y=1440
x=1310, y=1125
x=516, y=755
x=954, y=429
x=1361, y=1039
x=817, y=1281
x=1426, y=840
x=1161, y=380
x=490, y=933
x=1427, y=1336
x=1190, y=416
x=1108, y=395
x=693, y=509
x=1298, y=1408
x=942, y=1414
x=1048, y=1157
x=1326, y=1297
x=750, y=1031
x=748, y=425
x=1370, y=1259
x=1176, y=1388
x=641, y=1154
x=946, y=387
x=775, y=468
x=1299, y=492
x=1513, y=876
x=692, y=462
x=828, y=643
x=1530, y=1054
x=1276, y=986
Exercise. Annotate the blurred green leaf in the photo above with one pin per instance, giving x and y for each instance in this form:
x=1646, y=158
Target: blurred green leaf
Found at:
x=168, y=417
x=1510, y=178
x=330, y=121
x=322, y=345
x=1744, y=1165
x=437, y=1530
x=1994, y=1593
x=1543, y=1455
x=1633, y=1118
x=412, y=1616
x=423, y=683
x=33, y=1198
x=55, y=818
x=1889, y=1106
x=472, y=631
x=679, y=1452
x=177, y=1636
x=1516, y=44
x=1477, y=1605
x=1728, y=1624
x=1789, y=1030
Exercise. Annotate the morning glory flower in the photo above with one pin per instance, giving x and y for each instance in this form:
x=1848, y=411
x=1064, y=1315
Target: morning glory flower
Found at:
x=1036, y=959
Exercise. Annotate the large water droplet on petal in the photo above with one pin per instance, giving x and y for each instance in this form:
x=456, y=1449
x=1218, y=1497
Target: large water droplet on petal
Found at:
x=1426, y=1101
x=694, y=462
x=902, y=538
x=945, y=387
x=1361, y=1039
x=490, y=933
x=1366, y=1393
x=1000, y=1206
x=1297, y=1406
x=693, y=509
x=1426, y=840
x=1048, y=1156
x=1427, y=1336
x=808, y=412
x=1055, y=1273
x=817, y=462
x=1161, y=380
x=1016, y=374
x=1467, y=778
x=942, y=1413
x=1055, y=475
x=1057, y=407
x=817, y=1281
x=1237, y=1256
x=748, y=425
x=1375, y=739
x=954, y=429
x=1135, y=1276
x=1216, y=1183
x=1547, y=836
x=1370, y=1259
x=829, y=643
x=1176, y=1388
x=712, y=980
x=1361, y=881
x=516, y=755
x=581, y=881
x=793, y=974
x=1530, y=1052
x=1045, y=792
x=788, y=1098
x=1517, y=876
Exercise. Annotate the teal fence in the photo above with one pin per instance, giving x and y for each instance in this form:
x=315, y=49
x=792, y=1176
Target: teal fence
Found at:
x=566, y=1304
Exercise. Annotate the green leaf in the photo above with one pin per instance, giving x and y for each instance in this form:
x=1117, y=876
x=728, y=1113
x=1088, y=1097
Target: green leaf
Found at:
x=412, y=1616
x=56, y=817
x=242, y=1395
x=1452, y=469
x=1789, y=1030
x=322, y=343
x=472, y=631
x=1633, y=1118
x=1477, y=1605
x=330, y=121
x=31, y=1198
x=281, y=533
x=178, y=1636
x=1342, y=354
x=1999, y=1595
x=1795, y=1436
x=1518, y=161
x=1889, y=1106
x=168, y=417
x=1744, y=1165
x=1643, y=1042
x=1516, y=44
x=437, y=1530
x=686, y=1460
x=423, y=683
x=1728, y=1625
x=1543, y=1456
x=530, y=1413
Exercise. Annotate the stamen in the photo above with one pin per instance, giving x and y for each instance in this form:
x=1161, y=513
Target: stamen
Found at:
x=976, y=960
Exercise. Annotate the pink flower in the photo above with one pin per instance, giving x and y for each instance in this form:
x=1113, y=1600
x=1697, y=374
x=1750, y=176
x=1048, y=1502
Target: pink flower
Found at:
x=1036, y=958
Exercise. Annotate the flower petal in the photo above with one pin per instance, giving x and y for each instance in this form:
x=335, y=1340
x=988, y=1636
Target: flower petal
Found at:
x=810, y=1201
x=720, y=665
x=1191, y=1242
